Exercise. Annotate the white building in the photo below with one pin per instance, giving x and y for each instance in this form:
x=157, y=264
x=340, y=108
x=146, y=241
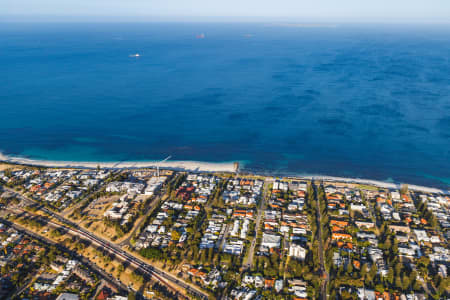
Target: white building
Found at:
x=270, y=241
x=421, y=235
x=357, y=207
x=234, y=247
x=297, y=251
x=278, y=285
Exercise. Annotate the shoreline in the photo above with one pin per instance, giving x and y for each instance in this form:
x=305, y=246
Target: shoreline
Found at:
x=379, y=183
x=181, y=165
x=199, y=166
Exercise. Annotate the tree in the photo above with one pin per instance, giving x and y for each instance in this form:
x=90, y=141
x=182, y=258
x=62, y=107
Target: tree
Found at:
x=131, y=296
x=347, y=295
x=363, y=270
x=443, y=285
x=395, y=247
x=341, y=270
x=405, y=282
x=349, y=267
x=175, y=235
x=398, y=282
x=433, y=221
x=120, y=269
x=390, y=276
x=379, y=288
x=417, y=286
x=202, y=256
x=274, y=259
x=413, y=277
x=387, y=244
x=398, y=268
x=373, y=271
x=422, y=264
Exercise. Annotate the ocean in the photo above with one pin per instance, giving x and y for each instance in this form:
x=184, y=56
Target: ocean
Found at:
x=368, y=101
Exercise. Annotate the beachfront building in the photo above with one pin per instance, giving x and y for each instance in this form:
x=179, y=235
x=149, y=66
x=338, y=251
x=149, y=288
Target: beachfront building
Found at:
x=243, y=192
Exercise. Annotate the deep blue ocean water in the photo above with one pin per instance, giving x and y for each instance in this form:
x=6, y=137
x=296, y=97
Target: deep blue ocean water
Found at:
x=352, y=100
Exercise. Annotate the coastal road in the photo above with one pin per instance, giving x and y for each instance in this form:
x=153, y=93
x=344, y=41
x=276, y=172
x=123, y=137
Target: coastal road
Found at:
x=114, y=282
x=163, y=276
x=131, y=260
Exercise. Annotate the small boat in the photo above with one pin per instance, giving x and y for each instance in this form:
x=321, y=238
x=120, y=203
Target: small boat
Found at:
x=135, y=55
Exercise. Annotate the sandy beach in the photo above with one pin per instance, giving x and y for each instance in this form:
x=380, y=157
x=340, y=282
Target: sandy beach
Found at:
x=175, y=165
x=197, y=166
x=381, y=184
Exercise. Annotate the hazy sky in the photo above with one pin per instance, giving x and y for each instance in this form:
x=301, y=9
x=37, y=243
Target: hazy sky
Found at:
x=352, y=10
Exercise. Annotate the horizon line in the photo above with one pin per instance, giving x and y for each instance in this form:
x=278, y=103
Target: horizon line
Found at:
x=210, y=19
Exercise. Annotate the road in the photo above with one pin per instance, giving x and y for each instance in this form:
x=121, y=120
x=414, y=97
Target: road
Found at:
x=155, y=201
x=323, y=272
x=25, y=285
x=144, y=267
x=107, y=277
x=249, y=263
x=221, y=243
